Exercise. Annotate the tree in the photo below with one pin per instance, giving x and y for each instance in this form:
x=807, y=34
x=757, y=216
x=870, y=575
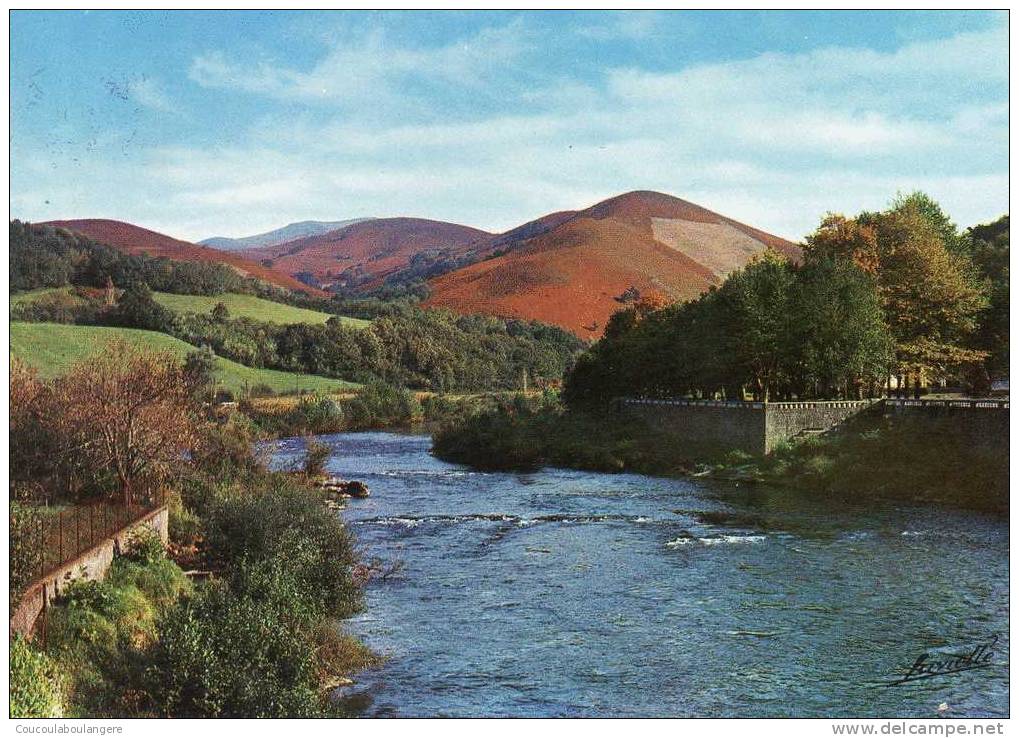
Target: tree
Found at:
x=756, y=304
x=839, y=340
x=138, y=309
x=990, y=253
x=930, y=293
x=126, y=415
x=220, y=313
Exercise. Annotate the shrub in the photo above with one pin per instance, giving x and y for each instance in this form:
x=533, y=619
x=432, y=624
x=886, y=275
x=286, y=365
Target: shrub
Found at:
x=316, y=415
x=221, y=654
x=185, y=527
x=379, y=404
x=316, y=454
x=262, y=390
x=35, y=687
x=279, y=520
x=25, y=549
x=223, y=395
x=161, y=580
x=144, y=546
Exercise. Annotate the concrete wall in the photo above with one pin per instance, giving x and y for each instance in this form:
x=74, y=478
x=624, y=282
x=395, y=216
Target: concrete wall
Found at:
x=93, y=564
x=753, y=427
x=978, y=422
x=786, y=420
x=706, y=423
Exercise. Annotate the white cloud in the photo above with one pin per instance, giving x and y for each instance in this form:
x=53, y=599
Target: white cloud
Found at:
x=368, y=68
x=775, y=140
x=148, y=92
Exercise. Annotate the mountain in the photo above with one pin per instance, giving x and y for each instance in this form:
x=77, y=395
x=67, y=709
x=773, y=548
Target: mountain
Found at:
x=136, y=240
x=290, y=232
x=572, y=268
x=369, y=253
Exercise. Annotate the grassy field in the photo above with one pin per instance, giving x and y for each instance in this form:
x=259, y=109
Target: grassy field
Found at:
x=53, y=348
x=32, y=295
x=249, y=306
x=240, y=306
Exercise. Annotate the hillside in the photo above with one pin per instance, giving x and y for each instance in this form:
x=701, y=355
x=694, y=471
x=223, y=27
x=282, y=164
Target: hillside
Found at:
x=368, y=253
x=136, y=240
x=290, y=232
x=569, y=268
x=52, y=349
x=249, y=306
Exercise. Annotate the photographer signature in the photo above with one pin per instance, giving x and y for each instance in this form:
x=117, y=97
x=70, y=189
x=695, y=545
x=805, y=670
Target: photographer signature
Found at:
x=928, y=665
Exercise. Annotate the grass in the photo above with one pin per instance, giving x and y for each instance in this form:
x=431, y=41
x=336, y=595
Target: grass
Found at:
x=239, y=306
x=249, y=306
x=53, y=348
x=21, y=298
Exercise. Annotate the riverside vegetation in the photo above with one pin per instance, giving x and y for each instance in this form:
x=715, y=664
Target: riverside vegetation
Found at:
x=258, y=637
x=899, y=293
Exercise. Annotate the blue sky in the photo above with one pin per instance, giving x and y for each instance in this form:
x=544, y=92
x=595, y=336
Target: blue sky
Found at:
x=231, y=123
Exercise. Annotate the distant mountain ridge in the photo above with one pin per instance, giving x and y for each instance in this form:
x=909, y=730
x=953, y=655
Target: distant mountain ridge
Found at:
x=370, y=253
x=134, y=239
x=570, y=268
x=289, y=232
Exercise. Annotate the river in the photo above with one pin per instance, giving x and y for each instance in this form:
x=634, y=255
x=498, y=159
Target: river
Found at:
x=570, y=593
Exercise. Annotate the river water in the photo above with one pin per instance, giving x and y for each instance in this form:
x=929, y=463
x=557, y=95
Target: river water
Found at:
x=569, y=593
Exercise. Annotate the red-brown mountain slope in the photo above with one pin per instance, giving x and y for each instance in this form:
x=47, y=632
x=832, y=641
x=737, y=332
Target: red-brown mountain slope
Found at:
x=570, y=273
x=136, y=240
x=366, y=253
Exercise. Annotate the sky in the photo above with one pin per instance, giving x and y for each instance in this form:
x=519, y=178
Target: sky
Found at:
x=201, y=124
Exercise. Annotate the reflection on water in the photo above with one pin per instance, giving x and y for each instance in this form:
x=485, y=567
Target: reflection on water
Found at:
x=567, y=593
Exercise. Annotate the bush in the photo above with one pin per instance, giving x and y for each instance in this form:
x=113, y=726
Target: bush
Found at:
x=25, y=551
x=316, y=415
x=316, y=455
x=262, y=390
x=144, y=546
x=161, y=580
x=289, y=520
x=185, y=527
x=379, y=405
x=223, y=395
x=221, y=654
x=35, y=687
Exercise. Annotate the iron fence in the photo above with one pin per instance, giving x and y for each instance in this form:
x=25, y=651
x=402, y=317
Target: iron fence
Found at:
x=61, y=536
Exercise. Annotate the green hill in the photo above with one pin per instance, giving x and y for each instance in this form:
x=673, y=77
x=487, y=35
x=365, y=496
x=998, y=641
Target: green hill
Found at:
x=249, y=306
x=52, y=348
x=240, y=306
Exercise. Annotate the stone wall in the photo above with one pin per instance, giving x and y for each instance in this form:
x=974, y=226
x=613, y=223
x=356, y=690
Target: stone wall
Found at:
x=753, y=427
x=978, y=422
x=93, y=564
x=787, y=420
x=706, y=423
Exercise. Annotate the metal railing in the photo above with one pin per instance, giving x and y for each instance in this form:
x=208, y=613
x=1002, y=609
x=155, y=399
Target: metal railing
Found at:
x=64, y=535
x=982, y=403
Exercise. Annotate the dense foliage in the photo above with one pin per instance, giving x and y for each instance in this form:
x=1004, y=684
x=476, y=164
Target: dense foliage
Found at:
x=772, y=329
x=896, y=293
x=989, y=251
x=35, y=683
x=259, y=637
x=426, y=349
x=44, y=256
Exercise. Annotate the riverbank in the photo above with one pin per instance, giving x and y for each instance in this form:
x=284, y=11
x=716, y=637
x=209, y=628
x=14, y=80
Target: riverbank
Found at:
x=253, y=629
x=873, y=458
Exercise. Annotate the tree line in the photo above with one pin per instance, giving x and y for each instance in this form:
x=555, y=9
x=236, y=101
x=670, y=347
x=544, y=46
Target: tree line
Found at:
x=899, y=293
x=425, y=349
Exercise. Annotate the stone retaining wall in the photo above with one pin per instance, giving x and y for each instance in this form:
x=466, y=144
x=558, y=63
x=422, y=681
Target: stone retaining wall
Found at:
x=93, y=564
x=753, y=427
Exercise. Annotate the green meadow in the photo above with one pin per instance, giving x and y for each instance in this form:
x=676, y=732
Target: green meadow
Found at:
x=53, y=348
